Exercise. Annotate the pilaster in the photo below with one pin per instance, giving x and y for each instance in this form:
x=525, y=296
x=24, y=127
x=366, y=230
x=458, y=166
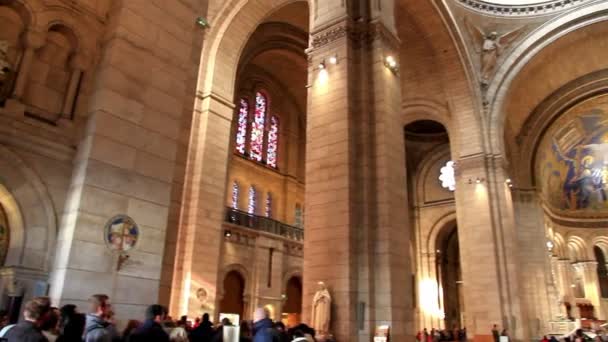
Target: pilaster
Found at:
x=488, y=244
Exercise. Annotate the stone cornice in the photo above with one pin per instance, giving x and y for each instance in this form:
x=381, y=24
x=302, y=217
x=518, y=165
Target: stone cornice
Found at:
x=359, y=33
x=546, y=7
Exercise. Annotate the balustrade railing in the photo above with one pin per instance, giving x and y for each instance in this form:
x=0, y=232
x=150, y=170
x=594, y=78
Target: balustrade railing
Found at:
x=263, y=224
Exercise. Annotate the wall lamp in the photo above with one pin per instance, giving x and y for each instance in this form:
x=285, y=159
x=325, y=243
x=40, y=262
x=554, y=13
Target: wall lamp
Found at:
x=476, y=180
x=333, y=60
x=391, y=63
x=202, y=22
x=509, y=182
x=227, y=233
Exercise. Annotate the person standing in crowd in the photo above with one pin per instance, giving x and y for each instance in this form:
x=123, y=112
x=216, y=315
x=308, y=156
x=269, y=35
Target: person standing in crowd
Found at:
x=151, y=330
x=281, y=331
x=245, y=332
x=204, y=331
x=71, y=324
x=34, y=315
x=298, y=336
x=495, y=334
x=262, y=327
x=50, y=325
x=96, y=328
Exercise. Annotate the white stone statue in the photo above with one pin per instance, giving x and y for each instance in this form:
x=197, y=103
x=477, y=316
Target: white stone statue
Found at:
x=321, y=310
x=491, y=46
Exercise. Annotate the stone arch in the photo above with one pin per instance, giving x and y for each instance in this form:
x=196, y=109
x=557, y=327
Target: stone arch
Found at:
x=293, y=272
x=424, y=109
x=33, y=213
x=446, y=221
x=78, y=27
x=560, y=246
x=229, y=33
x=577, y=248
x=240, y=269
x=525, y=52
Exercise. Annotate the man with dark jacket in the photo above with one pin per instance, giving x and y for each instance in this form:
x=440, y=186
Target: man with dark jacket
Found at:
x=29, y=330
x=263, y=330
x=151, y=330
x=204, y=332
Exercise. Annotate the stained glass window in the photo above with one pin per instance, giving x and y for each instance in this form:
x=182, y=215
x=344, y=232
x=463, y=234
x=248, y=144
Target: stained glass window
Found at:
x=268, y=205
x=241, y=132
x=273, y=138
x=235, y=195
x=257, y=128
x=252, y=198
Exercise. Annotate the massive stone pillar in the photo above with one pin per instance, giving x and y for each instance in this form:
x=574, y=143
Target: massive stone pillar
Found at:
x=126, y=156
x=488, y=239
x=535, y=269
x=357, y=234
x=588, y=269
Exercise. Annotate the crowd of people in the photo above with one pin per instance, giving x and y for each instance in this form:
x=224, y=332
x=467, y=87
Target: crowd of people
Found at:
x=42, y=322
x=437, y=335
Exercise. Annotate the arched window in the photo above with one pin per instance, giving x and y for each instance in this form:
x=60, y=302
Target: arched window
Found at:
x=235, y=195
x=260, y=141
x=241, y=131
x=273, y=142
x=257, y=128
x=252, y=198
x=268, y=205
x=602, y=272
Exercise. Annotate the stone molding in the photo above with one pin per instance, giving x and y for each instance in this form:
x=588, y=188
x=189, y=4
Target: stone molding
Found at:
x=521, y=10
x=360, y=33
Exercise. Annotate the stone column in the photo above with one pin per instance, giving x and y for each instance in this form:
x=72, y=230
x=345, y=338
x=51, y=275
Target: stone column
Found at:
x=535, y=271
x=78, y=64
x=32, y=40
x=356, y=202
x=592, y=284
x=488, y=247
x=562, y=280
x=126, y=159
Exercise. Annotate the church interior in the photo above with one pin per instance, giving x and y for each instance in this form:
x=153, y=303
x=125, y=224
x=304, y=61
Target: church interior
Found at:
x=438, y=164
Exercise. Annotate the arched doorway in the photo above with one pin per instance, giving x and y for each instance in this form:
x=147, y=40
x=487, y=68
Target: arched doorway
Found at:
x=4, y=234
x=449, y=276
x=232, y=301
x=292, y=308
x=602, y=271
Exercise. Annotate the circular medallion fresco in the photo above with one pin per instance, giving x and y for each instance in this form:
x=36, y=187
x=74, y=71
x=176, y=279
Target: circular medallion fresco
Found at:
x=572, y=161
x=121, y=233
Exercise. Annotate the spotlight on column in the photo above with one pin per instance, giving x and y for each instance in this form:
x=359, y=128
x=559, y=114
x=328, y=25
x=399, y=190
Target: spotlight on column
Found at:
x=333, y=59
x=509, y=182
x=322, y=65
x=391, y=63
x=227, y=233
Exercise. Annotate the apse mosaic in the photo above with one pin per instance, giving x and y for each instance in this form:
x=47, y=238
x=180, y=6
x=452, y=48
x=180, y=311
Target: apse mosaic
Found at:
x=121, y=233
x=572, y=160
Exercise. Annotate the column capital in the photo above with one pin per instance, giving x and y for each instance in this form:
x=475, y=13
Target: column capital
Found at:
x=33, y=39
x=582, y=265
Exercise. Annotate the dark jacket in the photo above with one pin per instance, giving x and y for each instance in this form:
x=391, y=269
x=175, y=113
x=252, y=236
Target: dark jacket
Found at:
x=264, y=332
x=203, y=333
x=25, y=332
x=150, y=331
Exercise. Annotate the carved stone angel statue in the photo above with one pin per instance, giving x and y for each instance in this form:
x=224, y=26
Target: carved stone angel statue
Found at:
x=321, y=310
x=490, y=45
x=6, y=71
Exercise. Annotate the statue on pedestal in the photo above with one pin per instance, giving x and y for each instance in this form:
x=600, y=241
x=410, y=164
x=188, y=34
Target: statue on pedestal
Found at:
x=6, y=72
x=321, y=310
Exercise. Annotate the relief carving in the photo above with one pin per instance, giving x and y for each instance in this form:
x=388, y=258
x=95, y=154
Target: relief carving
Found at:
x=6, y=72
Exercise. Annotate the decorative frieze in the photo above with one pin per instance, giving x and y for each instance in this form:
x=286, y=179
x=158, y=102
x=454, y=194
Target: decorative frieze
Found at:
x=360, y=33
x=520, y=10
